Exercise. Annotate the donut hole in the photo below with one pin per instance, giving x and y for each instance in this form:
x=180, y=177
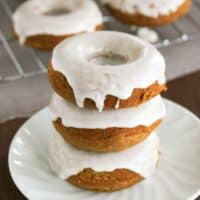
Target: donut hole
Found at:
x=104, y=48
x=52, y=8
x=108, y=59
x=110, y=48
x=57, y=12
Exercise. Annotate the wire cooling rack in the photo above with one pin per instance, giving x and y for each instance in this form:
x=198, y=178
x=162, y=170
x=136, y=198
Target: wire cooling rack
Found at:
x=18, y=62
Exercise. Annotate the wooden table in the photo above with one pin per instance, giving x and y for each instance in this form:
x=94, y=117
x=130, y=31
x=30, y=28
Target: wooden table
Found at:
x=185, y=91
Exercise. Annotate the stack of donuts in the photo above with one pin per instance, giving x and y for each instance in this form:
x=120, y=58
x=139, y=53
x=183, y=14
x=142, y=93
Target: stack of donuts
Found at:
x=106, y=107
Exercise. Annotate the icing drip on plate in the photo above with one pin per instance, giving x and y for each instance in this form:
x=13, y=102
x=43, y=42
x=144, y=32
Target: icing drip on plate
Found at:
x=67, y=160
x=72, y=116
x=140, y=66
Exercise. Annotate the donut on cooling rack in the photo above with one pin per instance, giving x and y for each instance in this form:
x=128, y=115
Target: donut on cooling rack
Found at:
x=107, y=70
x=107, y=172
x=148, y=12
x=44, y=23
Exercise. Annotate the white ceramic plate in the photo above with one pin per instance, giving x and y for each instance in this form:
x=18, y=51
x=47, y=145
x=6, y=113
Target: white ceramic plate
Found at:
x=177, y=177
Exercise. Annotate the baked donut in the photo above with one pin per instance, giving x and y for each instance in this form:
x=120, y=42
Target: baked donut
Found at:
x=148, y=12
x=107, y=131
x=107, y=69
x=104, y=172
x=44, y=23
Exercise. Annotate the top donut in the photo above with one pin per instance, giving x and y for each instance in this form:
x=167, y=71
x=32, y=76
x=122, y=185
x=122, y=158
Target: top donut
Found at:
x=107, y=70
x=44, y=23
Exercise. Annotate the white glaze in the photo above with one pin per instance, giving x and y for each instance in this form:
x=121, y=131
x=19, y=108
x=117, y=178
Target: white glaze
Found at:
x=67, y=160
x=72, y=116
x=145, y=65
x=30, y=19
x=150, y=8
x=147, y=34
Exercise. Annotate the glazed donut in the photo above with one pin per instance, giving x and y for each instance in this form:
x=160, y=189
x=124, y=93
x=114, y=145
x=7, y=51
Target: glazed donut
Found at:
x=148, y=12
x=111, y=130
x=44, y=23
x=106, y=172
x=107, y=69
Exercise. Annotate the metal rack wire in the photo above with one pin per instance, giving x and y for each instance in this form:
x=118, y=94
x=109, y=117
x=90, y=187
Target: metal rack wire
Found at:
x=18, y=62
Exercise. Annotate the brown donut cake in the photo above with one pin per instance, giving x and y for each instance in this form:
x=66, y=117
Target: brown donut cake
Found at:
x=104, y=140
x=105, y=181
x=139, y=78
x=152, y=18
x=108, y=172
x=61, y=86
x=111, y=130
x=48, y=42
x=43, y=24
